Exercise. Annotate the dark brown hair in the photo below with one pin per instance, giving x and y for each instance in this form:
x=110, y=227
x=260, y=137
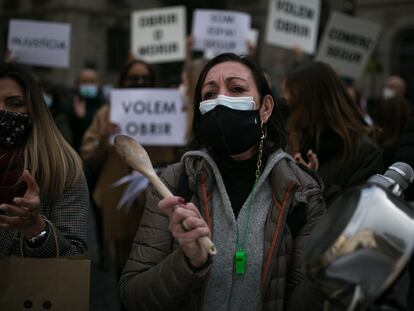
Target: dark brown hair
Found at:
x=319, y=101
x=390, y=117
x=129, y=65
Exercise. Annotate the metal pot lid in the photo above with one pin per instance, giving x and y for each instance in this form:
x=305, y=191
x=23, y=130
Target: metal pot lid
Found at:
x=363, y=242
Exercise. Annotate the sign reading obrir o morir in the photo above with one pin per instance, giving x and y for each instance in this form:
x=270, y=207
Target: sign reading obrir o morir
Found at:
x=157, y=22
x=158, y=35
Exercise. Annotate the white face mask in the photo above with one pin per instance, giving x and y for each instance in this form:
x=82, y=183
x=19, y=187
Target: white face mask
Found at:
x=388, y=93
x=88, y=90
x=237, y=103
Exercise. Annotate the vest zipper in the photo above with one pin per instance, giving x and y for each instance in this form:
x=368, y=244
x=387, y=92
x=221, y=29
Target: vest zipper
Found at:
x=277, y=232
x=204, y=201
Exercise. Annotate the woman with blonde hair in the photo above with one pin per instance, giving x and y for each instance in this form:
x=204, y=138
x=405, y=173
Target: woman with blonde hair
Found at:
x=325, y=121
x=40, y=174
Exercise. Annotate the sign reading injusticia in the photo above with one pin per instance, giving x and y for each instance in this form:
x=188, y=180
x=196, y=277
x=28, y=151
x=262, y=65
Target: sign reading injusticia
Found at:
x=39, y=43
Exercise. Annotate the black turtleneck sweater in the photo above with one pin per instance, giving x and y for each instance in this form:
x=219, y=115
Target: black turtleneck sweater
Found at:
x=239, y=178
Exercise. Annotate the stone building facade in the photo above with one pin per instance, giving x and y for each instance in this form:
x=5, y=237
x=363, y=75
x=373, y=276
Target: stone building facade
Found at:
x=100, y=33
x=394, y=53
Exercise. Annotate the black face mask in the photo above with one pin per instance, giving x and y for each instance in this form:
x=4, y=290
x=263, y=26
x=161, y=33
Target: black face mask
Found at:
x=15, y=127
x=230, y=131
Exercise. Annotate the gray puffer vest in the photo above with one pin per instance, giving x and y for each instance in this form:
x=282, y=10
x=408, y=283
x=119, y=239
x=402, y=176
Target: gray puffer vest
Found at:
x=158, y=277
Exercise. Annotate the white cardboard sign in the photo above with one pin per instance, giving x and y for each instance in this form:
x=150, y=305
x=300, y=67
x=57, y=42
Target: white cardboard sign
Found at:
x=158, y=35
x=293, y=23
x=218, y=31
x=347, y=44
x=39, y=43
x=150, y=116
x=253, y=37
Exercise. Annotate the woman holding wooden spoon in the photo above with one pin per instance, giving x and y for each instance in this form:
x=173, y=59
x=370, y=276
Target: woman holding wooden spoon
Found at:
x=244, y=192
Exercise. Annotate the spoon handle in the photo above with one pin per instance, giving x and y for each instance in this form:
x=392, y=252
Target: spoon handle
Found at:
x=137, y=158
x=205, y=242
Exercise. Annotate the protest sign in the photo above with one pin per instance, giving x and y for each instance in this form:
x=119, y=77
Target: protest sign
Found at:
x=293, y=24
x=158, y=35
x=347, y=44
x=218, y=31
x=253, y=37
x=150, y=116
x=39, y=43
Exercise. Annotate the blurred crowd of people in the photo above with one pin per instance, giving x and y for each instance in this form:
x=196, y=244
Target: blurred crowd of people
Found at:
x=336, y=138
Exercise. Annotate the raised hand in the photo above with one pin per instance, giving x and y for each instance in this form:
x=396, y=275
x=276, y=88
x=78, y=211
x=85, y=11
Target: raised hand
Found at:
x=313, y=163
x=24, y=213
x=187, y=226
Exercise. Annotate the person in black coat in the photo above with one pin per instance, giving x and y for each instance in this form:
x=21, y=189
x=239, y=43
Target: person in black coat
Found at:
x=87, y=99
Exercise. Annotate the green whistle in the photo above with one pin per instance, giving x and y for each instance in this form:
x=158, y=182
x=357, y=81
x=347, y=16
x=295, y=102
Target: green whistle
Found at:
x=240, y=260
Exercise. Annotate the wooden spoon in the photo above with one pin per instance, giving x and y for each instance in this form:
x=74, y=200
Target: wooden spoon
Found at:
x=137, y=158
